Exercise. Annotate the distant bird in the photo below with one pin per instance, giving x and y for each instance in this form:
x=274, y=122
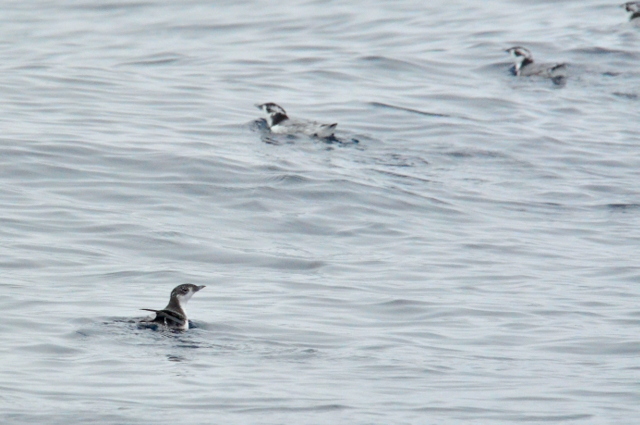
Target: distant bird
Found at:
x=525, y=67
x=174, y=316
x=634, y=8
x=280, y=123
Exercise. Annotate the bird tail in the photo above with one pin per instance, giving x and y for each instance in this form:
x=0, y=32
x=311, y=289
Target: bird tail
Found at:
x=558, y=70
x=558, y=74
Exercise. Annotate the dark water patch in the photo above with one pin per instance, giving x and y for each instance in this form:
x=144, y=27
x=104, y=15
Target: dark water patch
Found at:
x=601, y=51
x=211, y=28
x=51, y=349
x=627, y=95
x=456, y=410
x=110, y=6
x=316, y=408
x=622, y=207
x=405, y=177
x=593, y=346
x=339, y=141
x=546, y=418
x=476, y=153
x=158, y=59
x=415, y=111
x=291, y=179
x=400, y=160
x=399, y=310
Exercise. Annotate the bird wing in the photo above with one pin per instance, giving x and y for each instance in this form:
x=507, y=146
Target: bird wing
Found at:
x=163, y=315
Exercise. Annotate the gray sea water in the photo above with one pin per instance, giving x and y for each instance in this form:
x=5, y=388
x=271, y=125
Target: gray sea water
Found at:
x=465, y=251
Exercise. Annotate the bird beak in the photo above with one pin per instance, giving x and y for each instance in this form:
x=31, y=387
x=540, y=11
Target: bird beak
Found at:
x=200, y=287
x=258, y=106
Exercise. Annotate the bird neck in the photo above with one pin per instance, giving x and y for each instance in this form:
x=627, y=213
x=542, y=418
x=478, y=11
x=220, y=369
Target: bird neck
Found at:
x=277, y=118
x=175, y=305
x=525, y=62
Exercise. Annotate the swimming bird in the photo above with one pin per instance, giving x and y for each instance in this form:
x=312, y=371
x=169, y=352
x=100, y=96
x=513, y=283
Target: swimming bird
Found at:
x=634, y=8
x=173, y=316
x=280, y=123
x=525, y=67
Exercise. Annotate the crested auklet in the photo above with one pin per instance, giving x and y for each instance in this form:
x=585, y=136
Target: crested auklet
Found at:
x=280, y=123
x=173, y=316
x=525, y=67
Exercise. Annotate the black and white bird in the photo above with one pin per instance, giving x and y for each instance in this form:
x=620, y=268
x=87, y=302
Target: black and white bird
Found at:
x=174, y=316
x=280, y=123
x=634, y=8
x=525, y=66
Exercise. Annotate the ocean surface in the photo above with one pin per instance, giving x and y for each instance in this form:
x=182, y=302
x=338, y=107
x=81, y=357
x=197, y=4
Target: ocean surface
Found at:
x=465, y=251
